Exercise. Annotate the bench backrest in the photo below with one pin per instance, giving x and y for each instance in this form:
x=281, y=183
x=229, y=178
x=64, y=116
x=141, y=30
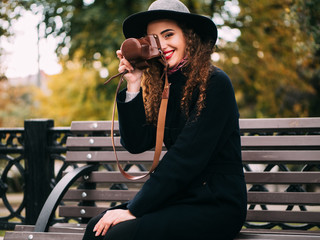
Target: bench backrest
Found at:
x=281, y=159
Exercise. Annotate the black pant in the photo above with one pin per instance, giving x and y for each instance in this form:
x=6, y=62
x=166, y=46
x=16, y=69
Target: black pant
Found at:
x=121, y=231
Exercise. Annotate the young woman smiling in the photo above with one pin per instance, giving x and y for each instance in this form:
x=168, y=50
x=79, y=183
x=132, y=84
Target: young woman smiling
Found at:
x=198, y=191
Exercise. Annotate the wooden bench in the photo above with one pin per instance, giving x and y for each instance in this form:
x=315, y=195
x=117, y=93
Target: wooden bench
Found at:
x=281, y=160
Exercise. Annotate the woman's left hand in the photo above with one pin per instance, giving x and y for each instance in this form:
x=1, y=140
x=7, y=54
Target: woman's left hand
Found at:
x=111, y=218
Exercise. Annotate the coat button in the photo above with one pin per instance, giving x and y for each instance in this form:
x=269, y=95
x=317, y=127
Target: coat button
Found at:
x=204, y=183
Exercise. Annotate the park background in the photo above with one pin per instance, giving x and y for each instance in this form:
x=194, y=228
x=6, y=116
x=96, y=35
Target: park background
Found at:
x=269, y=48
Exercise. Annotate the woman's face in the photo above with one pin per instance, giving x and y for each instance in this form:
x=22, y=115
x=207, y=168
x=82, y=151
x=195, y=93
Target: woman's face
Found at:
x=171, y=38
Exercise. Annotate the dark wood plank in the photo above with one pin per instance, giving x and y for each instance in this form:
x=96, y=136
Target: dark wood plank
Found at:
x=245, y=124
x=251, y=177
x=246, y=141
x=114, y=177
x=76, y=211
x=281, y=231
x=92, y=126
x=249, y=156
x=62, y=227
x=252, y=215
x=282, y=177
x=100, y=195
x=92, y=142
x=293, y=124
x=279, y=198
x=294, y=198
x=42, y=235
x=271, y=236
x=107, y=156
x=281, y=141
x=280, y=156
x=283, y=216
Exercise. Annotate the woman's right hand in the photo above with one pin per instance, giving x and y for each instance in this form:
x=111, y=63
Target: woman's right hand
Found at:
x=133, y=77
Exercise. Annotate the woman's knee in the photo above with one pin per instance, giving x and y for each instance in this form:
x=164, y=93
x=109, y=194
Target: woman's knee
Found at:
x=123, y=231
x=89, y=234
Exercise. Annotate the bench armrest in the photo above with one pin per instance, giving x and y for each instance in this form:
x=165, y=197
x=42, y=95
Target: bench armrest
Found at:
x=57, y=194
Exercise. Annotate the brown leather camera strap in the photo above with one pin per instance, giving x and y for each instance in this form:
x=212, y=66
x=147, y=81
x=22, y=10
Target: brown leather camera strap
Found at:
x=160, y=125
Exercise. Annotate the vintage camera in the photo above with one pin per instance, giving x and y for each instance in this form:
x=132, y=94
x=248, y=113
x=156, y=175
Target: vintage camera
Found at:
x=139, y=51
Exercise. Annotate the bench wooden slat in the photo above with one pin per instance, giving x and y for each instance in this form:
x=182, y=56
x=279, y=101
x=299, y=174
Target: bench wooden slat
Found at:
x=281, y=141
x=252, y=215
x=291, y=124
x=251, y=177
x=100, y=195
x=245, y=124
x=270, y=236
x=82, y=211
x=303, y=198
x=105, y=156
x=281, y=231
x=65, y=228
x=114, y=177
x=280, y=156
x=282, y=177
x=246, y=141
x=283, y=216
x=278, y=198
x=92, y=142
x=92, y=126
x=43, y=235
x=250, y=156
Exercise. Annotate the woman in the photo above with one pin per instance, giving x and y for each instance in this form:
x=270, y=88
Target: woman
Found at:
x=198, y=189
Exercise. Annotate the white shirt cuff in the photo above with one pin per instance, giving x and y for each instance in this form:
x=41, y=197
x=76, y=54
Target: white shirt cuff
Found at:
x=130, y=96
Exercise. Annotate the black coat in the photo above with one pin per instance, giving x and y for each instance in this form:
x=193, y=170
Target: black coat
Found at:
x=198, y=190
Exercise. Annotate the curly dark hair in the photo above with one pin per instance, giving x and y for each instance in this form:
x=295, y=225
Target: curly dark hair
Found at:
x=196, y=70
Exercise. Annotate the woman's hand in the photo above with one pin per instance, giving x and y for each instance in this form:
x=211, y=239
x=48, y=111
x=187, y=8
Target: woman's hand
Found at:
x=133, y=77
x=110, y=219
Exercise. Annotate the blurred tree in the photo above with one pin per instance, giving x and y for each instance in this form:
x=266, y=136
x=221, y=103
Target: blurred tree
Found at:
x=15, y=104
x=263, y=62
x=93, y=26
x=75, y=94
x=305, y=15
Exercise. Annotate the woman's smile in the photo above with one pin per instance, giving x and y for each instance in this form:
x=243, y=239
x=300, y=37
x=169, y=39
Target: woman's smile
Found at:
x=168, y=54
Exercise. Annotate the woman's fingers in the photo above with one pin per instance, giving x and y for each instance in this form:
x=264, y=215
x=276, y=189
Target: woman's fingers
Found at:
x=119, y=54
x=125, y=64
x=110, y=219
x=102, y=227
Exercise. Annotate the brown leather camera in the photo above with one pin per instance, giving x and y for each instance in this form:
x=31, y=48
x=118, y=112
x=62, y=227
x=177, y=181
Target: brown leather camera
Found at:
x=139, y=51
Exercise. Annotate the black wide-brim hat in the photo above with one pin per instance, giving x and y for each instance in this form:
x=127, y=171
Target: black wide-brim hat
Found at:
x=135, y=26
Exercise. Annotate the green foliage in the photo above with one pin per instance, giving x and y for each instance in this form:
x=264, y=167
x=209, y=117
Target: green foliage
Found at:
x=15, y=104
x=76, y=94
x=305, y=15
x=95, y=28
x=263, y=62
x=274, y=63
